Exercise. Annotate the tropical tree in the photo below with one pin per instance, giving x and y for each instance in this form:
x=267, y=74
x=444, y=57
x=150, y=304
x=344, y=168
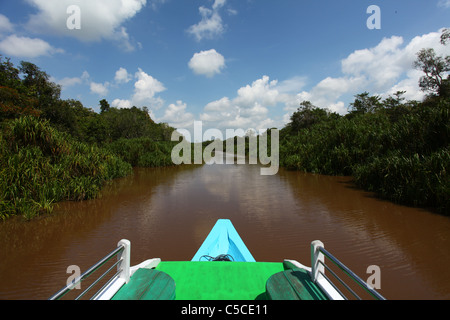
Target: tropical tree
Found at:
x=307, y=115
x=435, y=68
x=9, y=75
x=364, y=103
x=104, y=105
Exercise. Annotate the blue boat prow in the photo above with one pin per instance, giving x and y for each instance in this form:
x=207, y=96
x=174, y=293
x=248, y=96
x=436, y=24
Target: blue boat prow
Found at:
x=224, y=240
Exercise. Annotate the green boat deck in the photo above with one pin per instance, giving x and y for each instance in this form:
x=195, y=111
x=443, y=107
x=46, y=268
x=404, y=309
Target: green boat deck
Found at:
x=206, y=280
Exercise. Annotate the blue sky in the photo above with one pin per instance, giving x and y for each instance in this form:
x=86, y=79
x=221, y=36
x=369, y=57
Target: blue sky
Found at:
x=229, y=63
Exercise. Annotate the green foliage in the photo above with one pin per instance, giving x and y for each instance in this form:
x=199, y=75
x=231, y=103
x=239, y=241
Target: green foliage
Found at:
x=40, y=165
x=306, y=116
x=435, y=67
x=9, y=75
x=400, y=150
x=13, y=104
x=54, y=149
x=134, y=123
x=414, y=179
x=364, y=103
x=35, y=94
x=143, y=152
x=104, y=105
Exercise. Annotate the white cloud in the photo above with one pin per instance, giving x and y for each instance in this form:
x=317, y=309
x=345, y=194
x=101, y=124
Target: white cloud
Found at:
x=444, y=3
x=381, y=65
x=219, y=105
x=122, y=37
x=326, y=93
x=382, y=70
x=99, y=88
x=409, y=85
x=207, y=63
x=261, y=91
x=121, y=104
x=5, y=24
x=389, y=62
x=176, y=116
x=294, y=84
x=100, y=19
x=26, y=47
x=250, y=107
x=69, y=82
x=145, y=89
x=218, y=4
x=156, y=3
x=211, y=24
x=122, y=76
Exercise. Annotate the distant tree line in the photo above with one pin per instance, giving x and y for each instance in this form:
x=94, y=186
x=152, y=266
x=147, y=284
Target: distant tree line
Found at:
x=34, y=94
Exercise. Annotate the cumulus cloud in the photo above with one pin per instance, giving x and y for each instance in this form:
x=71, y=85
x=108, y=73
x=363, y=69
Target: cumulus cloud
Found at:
x=409, y=84
x=381, y=65
x=177, y=116
x=71, y=81
x=211, y=24
x=122, y=76
x=251, y=106
x=292, y=85
x=5, y=24
x=327, y=93
x=381, y=70
x=260, y=91
x=68, y=82
x=146, y=88
x=207, y=63
x=99, y=88
x=384, y=65
x=100, y=19
x=26, y=47
x=121, y=104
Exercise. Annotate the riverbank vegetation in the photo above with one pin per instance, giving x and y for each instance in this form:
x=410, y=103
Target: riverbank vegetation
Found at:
x=396, y=148
x=41, y=165
x=400, y=152
x=54, y=149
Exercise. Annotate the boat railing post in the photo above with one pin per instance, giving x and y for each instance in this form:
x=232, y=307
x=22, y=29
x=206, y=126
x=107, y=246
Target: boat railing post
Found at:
x=124, y=266
x=317, y=260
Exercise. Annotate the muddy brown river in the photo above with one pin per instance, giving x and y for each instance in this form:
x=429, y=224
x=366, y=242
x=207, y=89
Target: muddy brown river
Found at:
x=168, y=212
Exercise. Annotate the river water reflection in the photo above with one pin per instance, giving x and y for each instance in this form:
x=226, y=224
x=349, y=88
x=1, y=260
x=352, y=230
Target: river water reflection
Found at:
x=168, y=212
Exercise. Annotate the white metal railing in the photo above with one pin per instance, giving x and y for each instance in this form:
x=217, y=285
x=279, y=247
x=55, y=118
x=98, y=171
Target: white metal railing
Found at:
x=318, y=266
x=122, y=274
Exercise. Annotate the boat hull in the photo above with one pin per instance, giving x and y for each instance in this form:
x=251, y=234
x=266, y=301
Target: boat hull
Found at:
x=223, y=239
